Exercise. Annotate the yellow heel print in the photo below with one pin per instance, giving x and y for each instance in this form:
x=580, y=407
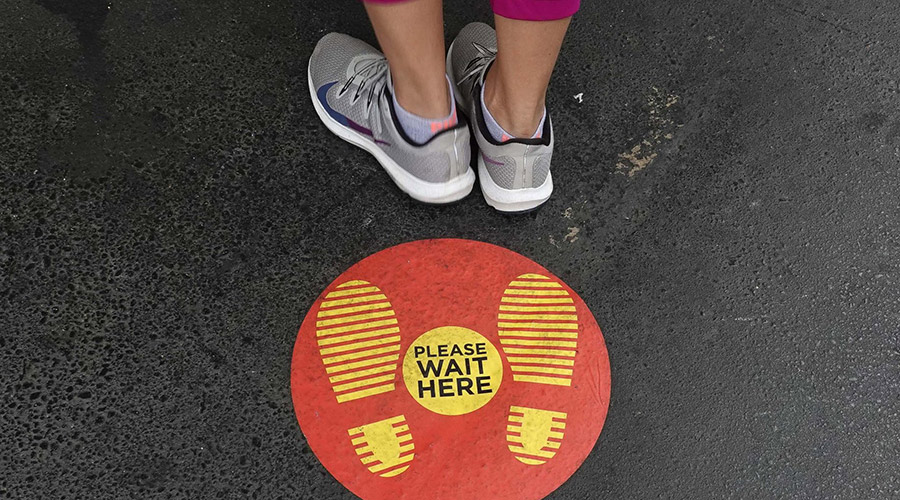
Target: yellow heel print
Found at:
x=359, y=340
x=385, y=447
x=534, y=435
x=538, y=329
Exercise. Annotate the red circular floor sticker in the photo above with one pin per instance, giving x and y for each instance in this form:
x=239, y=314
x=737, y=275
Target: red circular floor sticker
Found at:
x=450, y=369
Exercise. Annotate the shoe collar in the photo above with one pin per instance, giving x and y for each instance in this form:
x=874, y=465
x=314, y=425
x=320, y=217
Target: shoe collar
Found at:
x=388, y=95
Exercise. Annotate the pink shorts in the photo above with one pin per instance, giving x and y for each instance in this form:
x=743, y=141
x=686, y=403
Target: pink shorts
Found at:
x=526, y=10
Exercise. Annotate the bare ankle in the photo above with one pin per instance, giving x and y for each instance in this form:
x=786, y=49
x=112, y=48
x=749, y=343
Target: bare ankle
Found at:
x=520, y=117
x=426, y=100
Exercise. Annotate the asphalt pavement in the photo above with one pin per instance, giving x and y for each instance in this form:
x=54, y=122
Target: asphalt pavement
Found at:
x=727, y=204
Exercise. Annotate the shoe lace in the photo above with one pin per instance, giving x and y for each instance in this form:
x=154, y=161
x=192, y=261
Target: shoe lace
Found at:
x=368, y=79
x=477, y=64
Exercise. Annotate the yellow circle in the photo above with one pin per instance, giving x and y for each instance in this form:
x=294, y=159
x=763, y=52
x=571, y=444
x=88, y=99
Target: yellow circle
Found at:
x=452, y=370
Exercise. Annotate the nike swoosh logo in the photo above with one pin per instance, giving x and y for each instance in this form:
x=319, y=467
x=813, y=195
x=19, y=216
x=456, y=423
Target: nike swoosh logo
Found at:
x=321, y=93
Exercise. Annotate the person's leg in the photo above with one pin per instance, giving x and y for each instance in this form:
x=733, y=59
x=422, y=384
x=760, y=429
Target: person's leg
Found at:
x=411, y=35
x=501, y=80
x=516, y=85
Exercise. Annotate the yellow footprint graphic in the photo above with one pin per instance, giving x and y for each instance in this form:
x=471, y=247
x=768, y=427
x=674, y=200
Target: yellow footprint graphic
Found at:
x=359, y=340
x=534, y=435
x=385, y=447
x=538, y=329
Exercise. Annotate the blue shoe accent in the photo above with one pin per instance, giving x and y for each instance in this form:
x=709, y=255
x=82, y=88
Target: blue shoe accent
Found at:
x=343, y=120
x=321, y=94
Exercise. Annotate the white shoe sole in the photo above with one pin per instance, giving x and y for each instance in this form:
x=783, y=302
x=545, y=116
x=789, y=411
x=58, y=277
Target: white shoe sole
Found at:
x=418, y=189
x=512, y=200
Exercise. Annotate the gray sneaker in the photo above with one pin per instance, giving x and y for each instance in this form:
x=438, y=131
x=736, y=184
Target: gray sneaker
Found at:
x=514, y=174
x=350, y=90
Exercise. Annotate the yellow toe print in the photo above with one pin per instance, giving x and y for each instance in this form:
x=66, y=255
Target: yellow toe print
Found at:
x=534, y=435
x=538, y=329
x=359, y=340
x=385, y=447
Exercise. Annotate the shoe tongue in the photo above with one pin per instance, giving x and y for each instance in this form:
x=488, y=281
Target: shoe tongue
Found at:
x=360, y=62
x=390, y=80
x=484, y=71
